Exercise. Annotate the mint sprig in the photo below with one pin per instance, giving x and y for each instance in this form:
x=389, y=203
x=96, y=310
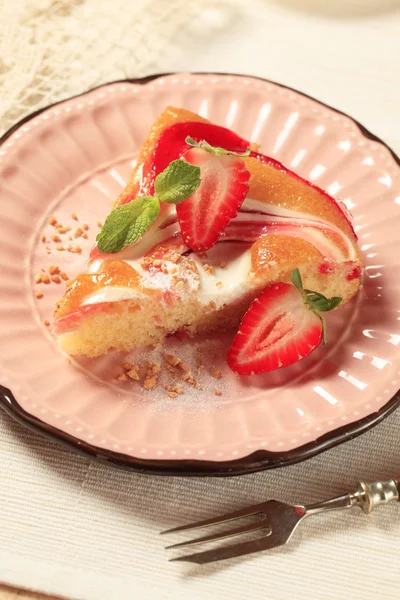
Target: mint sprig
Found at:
x=314, y=300
x=177, y=182
x=126, y=224
x=215, y=149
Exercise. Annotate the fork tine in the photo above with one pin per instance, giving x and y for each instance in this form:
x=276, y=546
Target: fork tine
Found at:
x=263, y=524
x=208, y=556
x=237, y=514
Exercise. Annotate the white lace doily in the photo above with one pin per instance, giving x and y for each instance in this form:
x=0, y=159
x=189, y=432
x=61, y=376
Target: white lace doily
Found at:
x=52, y=49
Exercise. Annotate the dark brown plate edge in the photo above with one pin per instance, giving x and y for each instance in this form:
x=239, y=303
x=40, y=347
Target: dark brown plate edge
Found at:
x=257, y=461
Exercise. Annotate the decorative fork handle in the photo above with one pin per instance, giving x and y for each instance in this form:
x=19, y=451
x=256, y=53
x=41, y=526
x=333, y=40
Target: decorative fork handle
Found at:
x=371, y=495
x=367, y=496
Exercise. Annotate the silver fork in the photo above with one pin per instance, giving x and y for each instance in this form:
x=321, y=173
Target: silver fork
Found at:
x=277, y=521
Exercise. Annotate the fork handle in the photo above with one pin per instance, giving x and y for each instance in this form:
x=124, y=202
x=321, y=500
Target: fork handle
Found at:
x=370, y=495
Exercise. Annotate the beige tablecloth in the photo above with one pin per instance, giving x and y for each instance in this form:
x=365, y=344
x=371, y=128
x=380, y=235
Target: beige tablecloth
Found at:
x=75, y=528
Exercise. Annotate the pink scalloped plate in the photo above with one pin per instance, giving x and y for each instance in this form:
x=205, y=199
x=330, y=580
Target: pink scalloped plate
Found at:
x=75, y=157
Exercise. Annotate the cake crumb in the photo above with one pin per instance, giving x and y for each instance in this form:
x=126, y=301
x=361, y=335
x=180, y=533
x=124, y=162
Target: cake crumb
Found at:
x=99, y=224
x=78, y=232
x=122, y=377
x=145, y=263
x=127, y=365
x=56, y=279
x=133, y=373
x=171, y=359
x=61, y=229
x=153, y=368
x=218, y=393
x=74, y=216
x=151, y=376
x=45, y=278
x=223, y=265
x=219, y=283
x=54, y=270
x=52, y=221
x=187, y=376
x=64, y=276
x=216, y=373
x=150, y=382
x=212, y=305
x=56, y=238
x=172, y=394
x=60, y=248
x=183, y=366
x=85, y=226
x=174, y=389
x=46, y=322
x=38, y=278
x=39, y=295
x=209, y=269
x=74, y=249
x=43, y=238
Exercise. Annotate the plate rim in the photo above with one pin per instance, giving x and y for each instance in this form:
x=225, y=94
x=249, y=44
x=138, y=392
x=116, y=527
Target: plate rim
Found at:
x=256, y=461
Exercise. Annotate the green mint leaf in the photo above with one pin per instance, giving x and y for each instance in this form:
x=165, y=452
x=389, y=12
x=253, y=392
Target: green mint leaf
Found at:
x=316, y=294
x=334, y=302
x=149, y=213
x=127, y=223
x=295, y=278
x=215, y=149
x=315, y=301
x=177, y=182
x=319, y=304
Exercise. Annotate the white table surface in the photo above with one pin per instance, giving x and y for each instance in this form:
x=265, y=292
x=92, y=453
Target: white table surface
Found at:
x=76, y=528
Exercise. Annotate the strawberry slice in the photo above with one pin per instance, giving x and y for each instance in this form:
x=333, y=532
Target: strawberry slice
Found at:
x=282, y=326
x=224, y=185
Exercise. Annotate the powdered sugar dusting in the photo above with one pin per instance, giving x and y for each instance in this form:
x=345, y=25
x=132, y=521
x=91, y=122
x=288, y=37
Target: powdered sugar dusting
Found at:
x=203, y=373
x=204, y=359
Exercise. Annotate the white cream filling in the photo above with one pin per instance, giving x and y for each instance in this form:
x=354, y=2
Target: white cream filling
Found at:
x=225, y=284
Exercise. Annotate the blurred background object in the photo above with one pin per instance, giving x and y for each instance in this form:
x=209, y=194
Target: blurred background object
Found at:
x=51, y=49
x=344, y=52
x=344, y=8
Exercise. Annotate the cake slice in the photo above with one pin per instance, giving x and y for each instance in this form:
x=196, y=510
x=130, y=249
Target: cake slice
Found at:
x=167, y=281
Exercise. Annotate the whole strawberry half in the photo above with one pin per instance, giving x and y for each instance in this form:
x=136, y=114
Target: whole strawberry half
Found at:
x=282, y=326
x=224, y=185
